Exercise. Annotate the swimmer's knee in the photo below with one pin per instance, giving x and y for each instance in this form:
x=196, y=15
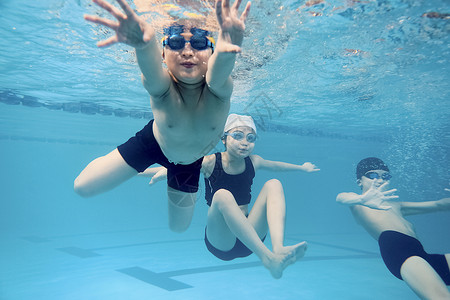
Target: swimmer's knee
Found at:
x=222, y=198
x=222, y=193
x=273, y=184
x=82, y=189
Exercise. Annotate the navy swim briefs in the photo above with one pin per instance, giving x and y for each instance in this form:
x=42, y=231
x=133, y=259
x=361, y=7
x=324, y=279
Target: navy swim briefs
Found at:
x=238, y=250
x=142, y=151
x=396, y=248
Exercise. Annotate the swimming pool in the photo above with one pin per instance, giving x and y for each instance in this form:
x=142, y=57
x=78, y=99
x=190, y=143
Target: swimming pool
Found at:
x=329, y=83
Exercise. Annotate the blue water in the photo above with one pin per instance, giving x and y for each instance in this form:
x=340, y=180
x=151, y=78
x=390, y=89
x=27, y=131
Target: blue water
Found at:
x=330, y=84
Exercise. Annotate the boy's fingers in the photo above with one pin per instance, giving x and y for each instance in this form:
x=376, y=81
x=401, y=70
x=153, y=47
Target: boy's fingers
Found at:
x=383, y=185
x=219, y=11
x=110, y=8
x=236, y=4
x=390, y=191
x=245, y=12
x=108, y=42
x=101, y=21
x=126, y=8
x=226, y=6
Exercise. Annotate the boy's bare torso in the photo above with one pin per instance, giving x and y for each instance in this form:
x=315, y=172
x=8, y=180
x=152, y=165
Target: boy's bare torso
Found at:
x=376, y=221
x=189, y=121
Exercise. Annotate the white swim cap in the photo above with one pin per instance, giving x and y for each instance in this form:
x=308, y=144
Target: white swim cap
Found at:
x=235, y=120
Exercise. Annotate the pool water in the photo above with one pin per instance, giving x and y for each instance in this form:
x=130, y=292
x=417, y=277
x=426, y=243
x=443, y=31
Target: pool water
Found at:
x=329, y=83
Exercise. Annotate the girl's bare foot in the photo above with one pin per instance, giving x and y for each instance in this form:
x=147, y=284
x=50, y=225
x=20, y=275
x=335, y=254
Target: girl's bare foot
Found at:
x=278, y=262
x=297, y=249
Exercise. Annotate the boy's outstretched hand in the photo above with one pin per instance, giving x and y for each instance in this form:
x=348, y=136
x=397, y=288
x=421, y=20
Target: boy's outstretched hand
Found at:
x=232, y=27
x=129, y=27
x=375, y=196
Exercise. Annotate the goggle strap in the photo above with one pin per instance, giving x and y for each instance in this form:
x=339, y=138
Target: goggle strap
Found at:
x=211, y=40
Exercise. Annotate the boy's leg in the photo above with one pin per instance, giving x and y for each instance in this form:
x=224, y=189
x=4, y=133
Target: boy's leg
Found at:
x=423, y=279
x=182, y=187
x=103, y=174
x=181, y=207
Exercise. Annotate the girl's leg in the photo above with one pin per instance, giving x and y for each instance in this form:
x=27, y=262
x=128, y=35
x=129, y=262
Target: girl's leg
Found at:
x=218, y=232
x=270, y=210
x=103, y=174
x=226, y=222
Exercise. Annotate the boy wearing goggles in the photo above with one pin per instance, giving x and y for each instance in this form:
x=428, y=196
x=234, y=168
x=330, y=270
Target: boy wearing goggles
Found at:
x=232, y=231
x=403, y=254
x=190, y=102
x=200, y=39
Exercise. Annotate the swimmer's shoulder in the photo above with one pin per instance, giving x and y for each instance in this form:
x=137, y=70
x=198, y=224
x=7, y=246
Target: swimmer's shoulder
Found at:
x=208, y=164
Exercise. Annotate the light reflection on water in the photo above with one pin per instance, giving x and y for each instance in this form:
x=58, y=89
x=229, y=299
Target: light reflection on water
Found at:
x=341, y=69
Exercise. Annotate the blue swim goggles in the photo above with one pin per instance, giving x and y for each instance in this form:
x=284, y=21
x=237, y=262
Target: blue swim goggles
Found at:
x=239, y=135
x=200, y=39
x=375, y=175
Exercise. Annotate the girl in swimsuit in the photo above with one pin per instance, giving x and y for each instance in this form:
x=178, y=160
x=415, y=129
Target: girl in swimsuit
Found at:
x=232, y=229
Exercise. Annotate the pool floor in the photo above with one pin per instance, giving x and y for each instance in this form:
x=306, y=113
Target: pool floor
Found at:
x=153, y=263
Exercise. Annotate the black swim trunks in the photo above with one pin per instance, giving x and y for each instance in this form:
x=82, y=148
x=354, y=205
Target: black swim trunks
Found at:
x=238, y=250
x=142, y=151
x=396, y=248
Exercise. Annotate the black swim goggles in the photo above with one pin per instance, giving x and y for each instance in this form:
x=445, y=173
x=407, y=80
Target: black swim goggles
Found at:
x=375, y=175
x=239, y=135
x=200, y=39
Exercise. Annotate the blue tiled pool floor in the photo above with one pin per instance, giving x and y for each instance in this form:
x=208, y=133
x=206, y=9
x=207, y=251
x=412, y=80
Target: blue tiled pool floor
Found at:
x=157, y=264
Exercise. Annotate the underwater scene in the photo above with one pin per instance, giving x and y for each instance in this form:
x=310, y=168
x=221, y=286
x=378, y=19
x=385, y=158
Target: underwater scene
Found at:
x=329, y=82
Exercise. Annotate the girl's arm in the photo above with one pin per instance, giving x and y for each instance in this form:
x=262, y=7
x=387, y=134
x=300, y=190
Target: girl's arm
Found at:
x=149, y=172
x=160, y=173
x=264, y=164
x=157, y=174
